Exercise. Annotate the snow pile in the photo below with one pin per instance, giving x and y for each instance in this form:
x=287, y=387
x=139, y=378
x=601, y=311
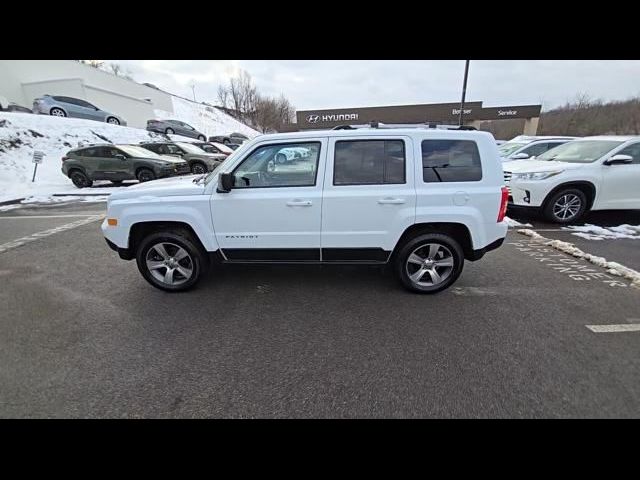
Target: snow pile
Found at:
x=614, y=268
x=204, y=118
x=594, y=232
x=21, y=134
x=514, y=223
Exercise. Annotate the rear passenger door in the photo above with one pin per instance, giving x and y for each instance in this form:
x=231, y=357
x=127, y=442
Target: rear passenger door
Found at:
x=369, y=197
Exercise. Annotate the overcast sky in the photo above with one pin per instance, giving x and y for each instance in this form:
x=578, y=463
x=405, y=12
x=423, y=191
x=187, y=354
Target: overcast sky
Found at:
x=317, y=84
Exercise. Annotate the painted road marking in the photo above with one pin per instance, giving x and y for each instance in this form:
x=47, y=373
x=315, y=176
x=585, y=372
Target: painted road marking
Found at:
x=46, y=233
x=626, y=327
x=52, y=216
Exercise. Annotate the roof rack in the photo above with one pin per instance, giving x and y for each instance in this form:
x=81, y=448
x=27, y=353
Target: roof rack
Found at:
x=379, y=125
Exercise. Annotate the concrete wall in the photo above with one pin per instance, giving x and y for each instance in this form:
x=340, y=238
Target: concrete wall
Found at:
x=23, y=80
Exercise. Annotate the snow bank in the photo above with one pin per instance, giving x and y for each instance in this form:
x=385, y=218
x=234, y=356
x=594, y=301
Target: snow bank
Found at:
x=514, y=223
x=206, y=119
x=594, y=232
x=614, y=268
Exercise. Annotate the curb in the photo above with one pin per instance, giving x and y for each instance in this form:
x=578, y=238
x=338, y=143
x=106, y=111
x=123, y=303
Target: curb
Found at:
x=11, y=202
x=80, y=194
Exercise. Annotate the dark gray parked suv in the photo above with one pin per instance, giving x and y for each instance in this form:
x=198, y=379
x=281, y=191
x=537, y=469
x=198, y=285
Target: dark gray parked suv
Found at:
x=199, y=160
x=116, y=163
x=170, y=127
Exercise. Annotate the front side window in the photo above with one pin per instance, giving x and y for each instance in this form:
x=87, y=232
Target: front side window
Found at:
x=450, y=161
x=369, y=162
x=632, y=151
x=538, y=148
x=273, y=166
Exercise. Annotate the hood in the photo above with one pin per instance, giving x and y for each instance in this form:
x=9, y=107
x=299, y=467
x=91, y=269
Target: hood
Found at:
x=532, y=166
x=165, y=187
x=218, y=157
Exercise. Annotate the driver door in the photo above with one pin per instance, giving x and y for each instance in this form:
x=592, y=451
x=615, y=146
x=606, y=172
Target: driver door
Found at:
x=273, y=213
x=621, y=183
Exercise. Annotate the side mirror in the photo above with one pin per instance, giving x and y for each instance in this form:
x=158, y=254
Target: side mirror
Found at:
x=225, y=182
x=120, y=156
x=619, y=160
x=520, y=156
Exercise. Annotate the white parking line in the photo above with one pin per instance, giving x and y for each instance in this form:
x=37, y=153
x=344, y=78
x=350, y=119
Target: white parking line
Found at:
x=45, y=233
x=627, y=327
x=51, y=216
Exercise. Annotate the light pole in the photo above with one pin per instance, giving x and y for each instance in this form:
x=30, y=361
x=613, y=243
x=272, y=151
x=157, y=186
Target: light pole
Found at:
x=193, y=89
x=464, y=91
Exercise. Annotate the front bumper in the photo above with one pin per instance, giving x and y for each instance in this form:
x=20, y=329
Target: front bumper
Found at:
x=123, y=253
x=528, y=193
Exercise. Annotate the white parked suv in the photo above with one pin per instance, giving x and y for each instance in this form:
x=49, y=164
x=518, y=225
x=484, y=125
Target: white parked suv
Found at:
x=423, y=200
x=593, y=173
x=525, y=146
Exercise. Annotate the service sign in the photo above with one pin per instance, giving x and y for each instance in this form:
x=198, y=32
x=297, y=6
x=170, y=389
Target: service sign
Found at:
x=38, y=156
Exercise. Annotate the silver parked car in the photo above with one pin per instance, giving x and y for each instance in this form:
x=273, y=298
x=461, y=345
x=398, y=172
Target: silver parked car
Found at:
x=177, y=127
x=59, y=106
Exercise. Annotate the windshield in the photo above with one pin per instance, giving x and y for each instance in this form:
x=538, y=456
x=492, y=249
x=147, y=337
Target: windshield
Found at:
x=585, y=151
x=190, y=148
x=138, y=151
x=508, y=148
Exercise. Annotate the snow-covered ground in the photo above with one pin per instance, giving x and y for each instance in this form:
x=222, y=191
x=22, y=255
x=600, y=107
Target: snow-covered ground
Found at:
x=594, y=232
x=514, y=223
x=21, y=134
x=206, y=119
x=614, y=268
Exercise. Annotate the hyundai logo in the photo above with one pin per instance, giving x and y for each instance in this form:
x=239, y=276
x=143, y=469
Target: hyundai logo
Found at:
x=313, y=118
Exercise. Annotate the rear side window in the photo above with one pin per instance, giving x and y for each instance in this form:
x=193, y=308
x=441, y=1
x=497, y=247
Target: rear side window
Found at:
x=450, y=161
x=88, y=152
x=369, y=162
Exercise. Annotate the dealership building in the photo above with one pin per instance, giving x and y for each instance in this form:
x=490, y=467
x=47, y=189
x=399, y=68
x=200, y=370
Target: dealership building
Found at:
x=475, y=114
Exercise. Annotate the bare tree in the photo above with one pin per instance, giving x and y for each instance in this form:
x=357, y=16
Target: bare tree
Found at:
x=223, y=96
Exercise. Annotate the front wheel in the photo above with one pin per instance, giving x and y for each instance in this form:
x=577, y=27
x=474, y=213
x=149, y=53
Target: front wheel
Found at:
x=566, y=206
x=113, y=121
x=198, y=169
x=169, y=131
x=429, y=263
x=171, y=260
x=202, y=138
x=145, y=175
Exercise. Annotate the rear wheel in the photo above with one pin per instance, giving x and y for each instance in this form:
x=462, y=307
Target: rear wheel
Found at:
x=80, y=179
x=145, y=175
x=171, y=261
x=429, y=263
x=113, y=121
x=169, y=131
x=202, y=138
x=566, y=206
x=57, y=112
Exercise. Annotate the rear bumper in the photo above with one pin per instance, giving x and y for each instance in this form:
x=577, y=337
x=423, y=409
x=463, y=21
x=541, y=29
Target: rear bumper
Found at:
x=478, y=254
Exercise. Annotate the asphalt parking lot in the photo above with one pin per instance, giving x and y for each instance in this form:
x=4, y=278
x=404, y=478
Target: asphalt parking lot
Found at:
x=83, y=335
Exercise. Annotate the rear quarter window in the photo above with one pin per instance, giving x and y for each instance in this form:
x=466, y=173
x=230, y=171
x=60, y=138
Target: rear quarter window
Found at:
x=451, y=161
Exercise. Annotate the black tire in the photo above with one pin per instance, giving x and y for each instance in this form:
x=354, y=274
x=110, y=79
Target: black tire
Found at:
x=114, y=121
x=80, y=179
x=145, y=175
x=198, y=168
x=202, y=138
x=197, y=262
x=226, y=141
x=281, y=158
x=553, y=210
x=58, y=112
x=169, y=131
x=448, y=248
x=117, y=183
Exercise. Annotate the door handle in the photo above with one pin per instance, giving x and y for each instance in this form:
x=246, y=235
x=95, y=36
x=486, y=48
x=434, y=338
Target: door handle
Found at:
x=299, y=203
x=391, y=201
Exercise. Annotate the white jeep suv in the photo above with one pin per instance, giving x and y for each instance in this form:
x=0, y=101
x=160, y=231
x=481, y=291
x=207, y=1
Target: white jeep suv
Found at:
x=422, y=199
x=593, y=173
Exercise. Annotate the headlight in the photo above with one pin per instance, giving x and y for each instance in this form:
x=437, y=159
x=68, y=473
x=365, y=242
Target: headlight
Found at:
x=535, y=175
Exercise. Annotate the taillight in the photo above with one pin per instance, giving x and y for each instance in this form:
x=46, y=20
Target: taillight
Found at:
x=503, y=204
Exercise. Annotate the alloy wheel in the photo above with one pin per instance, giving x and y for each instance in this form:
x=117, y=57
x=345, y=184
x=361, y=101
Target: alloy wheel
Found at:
x=169, y=263
x=430, y=264
x=567, y=206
